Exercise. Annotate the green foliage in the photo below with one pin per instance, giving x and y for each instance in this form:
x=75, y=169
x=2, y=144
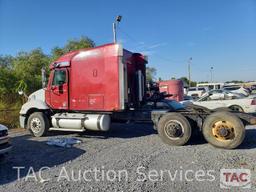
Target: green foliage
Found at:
x=9, y=118
x=7, y=81
x=56, y=53
x=234, y=81
x=23, y=71
x=186, y=82
x=6, y=61
x=73, y=44
x=27, y=68
x=150, y=74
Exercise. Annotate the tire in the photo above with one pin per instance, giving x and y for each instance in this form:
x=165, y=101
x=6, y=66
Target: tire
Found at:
x=224, y=130
x=178, y=123
x=236, y=108
x=38, y=124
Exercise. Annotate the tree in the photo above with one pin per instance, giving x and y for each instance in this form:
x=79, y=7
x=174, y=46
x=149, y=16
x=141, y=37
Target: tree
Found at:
x=7, y=81
x=27, y=68
x=234, y=81
x=150, y=74
x=186, y=82
x=56, y=53
x=73, y=44
x=6, y=61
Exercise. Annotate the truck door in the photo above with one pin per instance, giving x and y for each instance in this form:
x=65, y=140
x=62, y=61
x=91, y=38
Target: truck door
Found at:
x=59, y=89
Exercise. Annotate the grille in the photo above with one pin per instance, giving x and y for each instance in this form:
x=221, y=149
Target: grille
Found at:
x=3, y=133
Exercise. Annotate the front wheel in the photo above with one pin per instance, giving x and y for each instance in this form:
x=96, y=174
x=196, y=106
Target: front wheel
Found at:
x=174, y=129
x=224, y=130
x=38, y=124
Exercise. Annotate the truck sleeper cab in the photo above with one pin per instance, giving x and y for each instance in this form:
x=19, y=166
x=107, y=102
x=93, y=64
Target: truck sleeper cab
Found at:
x=85, y=87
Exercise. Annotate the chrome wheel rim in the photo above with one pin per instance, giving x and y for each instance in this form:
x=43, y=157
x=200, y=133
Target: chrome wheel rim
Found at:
x=35, y=125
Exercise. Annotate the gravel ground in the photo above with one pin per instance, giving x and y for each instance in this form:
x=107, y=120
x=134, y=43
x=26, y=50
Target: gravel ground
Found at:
x=130, y=157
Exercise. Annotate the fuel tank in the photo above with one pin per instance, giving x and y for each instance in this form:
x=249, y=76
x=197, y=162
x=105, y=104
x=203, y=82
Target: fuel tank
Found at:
x=73, y=121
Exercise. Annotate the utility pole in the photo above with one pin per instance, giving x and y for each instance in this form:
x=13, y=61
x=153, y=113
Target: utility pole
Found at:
x=211, y=74
x=114, y=31
x=189, y=71
x=117, y=21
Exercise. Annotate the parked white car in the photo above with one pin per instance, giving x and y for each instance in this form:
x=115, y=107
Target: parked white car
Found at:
x=211, y=101
x=5, y=145
x=196, y=92
x=221, y=94
x=237, y=89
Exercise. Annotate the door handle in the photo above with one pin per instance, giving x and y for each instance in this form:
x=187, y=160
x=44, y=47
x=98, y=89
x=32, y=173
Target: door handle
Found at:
x=53, y=88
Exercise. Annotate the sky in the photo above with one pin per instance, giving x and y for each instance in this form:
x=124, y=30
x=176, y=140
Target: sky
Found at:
x=215, y=33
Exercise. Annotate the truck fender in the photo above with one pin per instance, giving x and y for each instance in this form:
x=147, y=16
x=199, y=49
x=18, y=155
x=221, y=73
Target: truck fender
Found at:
x=34, y=104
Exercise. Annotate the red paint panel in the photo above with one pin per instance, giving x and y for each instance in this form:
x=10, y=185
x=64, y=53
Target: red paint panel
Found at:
x=95, y=101
x=95, y=72
x=174, y=87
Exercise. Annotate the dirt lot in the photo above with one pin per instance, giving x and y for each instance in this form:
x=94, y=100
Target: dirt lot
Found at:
x=138, y=159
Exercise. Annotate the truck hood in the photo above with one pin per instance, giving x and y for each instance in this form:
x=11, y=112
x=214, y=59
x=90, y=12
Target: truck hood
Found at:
x=35, y=100
x=38, y=95
x=2, y=127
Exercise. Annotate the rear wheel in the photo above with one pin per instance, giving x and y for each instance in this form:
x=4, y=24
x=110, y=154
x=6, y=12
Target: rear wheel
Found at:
x=38, y=124
x=224, y=130
x=174, y=129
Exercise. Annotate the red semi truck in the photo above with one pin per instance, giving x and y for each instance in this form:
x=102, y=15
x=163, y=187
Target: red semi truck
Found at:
x=85, y=87
x=90, y=88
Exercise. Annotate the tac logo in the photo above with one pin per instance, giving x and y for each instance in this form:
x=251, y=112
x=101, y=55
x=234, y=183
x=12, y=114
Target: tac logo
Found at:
x=235, y=178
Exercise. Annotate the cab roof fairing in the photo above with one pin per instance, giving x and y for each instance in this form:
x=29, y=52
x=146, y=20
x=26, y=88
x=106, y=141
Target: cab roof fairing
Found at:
x=65, y=60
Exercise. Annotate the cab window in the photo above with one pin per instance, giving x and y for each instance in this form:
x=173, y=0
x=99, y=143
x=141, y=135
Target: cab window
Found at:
x=192, y=89
x=59, y=77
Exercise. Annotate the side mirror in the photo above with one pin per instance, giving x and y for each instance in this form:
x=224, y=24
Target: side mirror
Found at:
x=20, y=92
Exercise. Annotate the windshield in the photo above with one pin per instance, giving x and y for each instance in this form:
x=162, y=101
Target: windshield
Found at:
x=231, y=88
x=192, y=89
